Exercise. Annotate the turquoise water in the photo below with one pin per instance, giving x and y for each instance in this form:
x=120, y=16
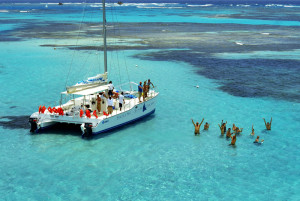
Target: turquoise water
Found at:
x=158, y=158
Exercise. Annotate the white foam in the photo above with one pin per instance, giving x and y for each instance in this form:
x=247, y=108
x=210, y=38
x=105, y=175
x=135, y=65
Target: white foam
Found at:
x=4, y=11
x=290, y=6
x=274, y=5
x=153, y=7
x=239, y=43
x=265, y=33
x=203, y=5
x=24, y=11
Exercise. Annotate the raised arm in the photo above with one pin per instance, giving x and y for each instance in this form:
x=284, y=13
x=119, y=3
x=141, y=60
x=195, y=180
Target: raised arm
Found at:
x=193, y=122
x=265, y=121
x=271, y=121
x=219, y=125
x=201, y=122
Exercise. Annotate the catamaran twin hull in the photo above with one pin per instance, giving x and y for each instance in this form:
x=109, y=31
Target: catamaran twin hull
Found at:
x=91, y=126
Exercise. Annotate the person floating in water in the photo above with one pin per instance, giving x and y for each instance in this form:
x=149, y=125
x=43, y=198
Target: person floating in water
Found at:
x=206, y=126
x=233, y=139
x=197, y=126
x=252, y=133
x=257, y=140
x=268, y=125
x=228, y=133
x=238, y=130
x=223, y=127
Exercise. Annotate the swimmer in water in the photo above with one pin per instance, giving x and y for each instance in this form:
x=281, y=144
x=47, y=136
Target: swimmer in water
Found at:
x=233, y=139
x=252, y=133
x=257, y=140
x=238, y=130
x=228, y=133
x=223, y=128
x=197, y=126
x=267, y=124
x=206, y=126
x=233, y=127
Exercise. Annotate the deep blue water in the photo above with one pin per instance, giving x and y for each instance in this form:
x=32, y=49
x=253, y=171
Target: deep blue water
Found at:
x=245, y=58
x=164, y=1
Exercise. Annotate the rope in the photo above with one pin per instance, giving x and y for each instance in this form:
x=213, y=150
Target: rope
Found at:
x=122, y=51
x=83, y=15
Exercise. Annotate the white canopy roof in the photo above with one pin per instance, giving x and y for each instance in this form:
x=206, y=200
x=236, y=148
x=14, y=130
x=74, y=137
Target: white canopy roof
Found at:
x=89, y=91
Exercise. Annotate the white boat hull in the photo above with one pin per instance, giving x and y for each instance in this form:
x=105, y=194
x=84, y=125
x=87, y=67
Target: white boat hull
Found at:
x=131, y=112
x=138, y=112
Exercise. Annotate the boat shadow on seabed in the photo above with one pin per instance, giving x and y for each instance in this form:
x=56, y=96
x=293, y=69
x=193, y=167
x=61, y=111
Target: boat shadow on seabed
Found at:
x=21, y=122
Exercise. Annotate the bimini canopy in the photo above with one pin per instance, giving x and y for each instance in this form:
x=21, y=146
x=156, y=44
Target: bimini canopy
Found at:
x=89, y=91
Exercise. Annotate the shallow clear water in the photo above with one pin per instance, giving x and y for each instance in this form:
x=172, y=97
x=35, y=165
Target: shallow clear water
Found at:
x=158, y=158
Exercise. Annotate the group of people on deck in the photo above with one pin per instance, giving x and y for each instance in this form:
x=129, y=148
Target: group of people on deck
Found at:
x=144, y=89
x=111, y=95
x=228, y=132
x=109, y=98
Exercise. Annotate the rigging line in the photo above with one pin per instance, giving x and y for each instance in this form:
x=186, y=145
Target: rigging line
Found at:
x=112, y=61
x=114, y=30
x=98, y=46
x=98, y=60
x=122, y=51
x=83, y=15
x=90, y=68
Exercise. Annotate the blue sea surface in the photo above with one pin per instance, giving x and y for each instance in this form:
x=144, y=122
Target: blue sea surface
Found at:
x=244, y=57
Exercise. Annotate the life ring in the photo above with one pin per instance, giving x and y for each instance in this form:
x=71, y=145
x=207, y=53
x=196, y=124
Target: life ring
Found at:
x=81, y=113
x=88, y=113
x=50, y=109
x=60, y=111
x=43, y=109
x=95, y=114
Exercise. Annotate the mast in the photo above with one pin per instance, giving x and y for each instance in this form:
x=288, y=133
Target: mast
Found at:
x=104, y=36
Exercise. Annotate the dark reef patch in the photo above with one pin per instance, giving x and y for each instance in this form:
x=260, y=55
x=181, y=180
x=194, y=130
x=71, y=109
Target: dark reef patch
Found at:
x=14, y=122
x=194, y=43
x=278, y=78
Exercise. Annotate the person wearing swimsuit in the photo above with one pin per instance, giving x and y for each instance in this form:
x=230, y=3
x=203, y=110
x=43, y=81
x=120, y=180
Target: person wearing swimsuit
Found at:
x=267, y=124
x=197, y=126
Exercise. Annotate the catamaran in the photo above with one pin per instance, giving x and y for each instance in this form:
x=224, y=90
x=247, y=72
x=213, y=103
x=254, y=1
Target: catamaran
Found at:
x=81, y=106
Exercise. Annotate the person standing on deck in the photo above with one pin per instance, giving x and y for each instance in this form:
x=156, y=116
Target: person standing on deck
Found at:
x=121, y=101
x=140, y=90
x=110, y=103
x=145, y=91
x=268, y=125
x=99, y=103
x=148, y=86
x=110, y=88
